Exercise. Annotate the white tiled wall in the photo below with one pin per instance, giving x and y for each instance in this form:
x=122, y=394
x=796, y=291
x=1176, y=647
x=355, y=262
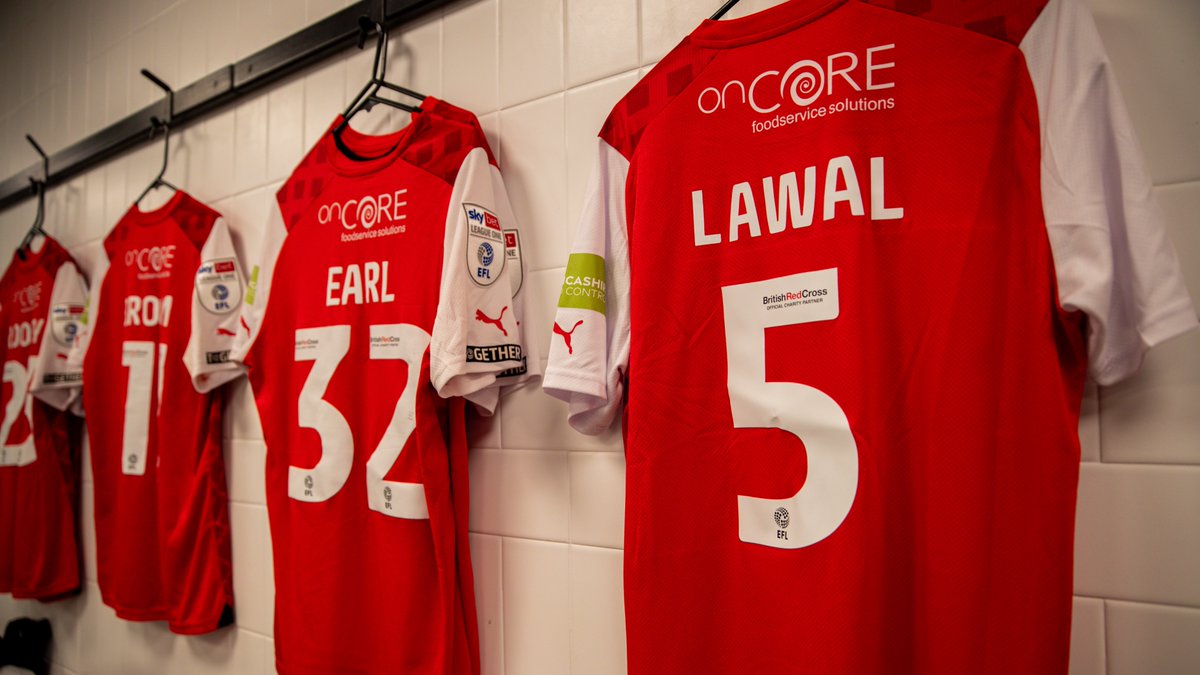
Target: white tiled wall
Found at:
x=547, y=504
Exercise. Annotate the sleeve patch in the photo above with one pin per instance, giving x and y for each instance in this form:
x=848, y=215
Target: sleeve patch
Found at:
x=486, y=252
x=64, y=322
x=219, y=286
x=584, y=284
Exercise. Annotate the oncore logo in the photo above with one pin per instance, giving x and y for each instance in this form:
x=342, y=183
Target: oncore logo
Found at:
x=153, y=258
x=365, y=211
x=802, y=83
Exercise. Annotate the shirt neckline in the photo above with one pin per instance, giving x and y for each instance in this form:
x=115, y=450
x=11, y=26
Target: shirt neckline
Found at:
x=379, y=151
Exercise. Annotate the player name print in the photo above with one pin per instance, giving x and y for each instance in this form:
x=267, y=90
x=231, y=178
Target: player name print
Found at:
x=358, y=284
x=147, y=310
x=780, y=201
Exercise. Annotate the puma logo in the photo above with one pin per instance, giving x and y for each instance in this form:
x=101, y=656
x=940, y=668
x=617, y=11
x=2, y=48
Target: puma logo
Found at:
x=222, y=331
x=484, y=318
x=245, y=325
x=566, y=334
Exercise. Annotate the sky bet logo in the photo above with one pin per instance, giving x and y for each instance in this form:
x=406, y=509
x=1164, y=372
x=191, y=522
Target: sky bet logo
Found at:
x=484, y=218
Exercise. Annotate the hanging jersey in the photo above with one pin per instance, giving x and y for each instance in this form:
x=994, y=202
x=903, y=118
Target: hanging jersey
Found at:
x=41, y=299
x=846, y=270
x=388, y=287
x=154, y=346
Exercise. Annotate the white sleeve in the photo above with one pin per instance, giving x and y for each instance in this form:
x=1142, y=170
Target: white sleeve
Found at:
x=589, y=350
x=1112, y=257
x=258, y=290
x=216, y=301
x=87, y=321
x=55, y=379
x=478, y=343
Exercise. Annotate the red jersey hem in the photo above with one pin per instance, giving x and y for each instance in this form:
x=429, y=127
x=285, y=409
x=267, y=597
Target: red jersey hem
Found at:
x=51, y=595
x=196, y=628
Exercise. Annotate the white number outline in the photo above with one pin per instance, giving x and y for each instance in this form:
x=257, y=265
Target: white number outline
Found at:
x=326, y=347
x=21, y=403
x=138, y=357
x=822, y=503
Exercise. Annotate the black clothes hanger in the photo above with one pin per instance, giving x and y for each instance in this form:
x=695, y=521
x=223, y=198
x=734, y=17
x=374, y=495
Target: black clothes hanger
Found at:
x=40, y=187
x=155, y=125
x=369, y=95
x=724, y=8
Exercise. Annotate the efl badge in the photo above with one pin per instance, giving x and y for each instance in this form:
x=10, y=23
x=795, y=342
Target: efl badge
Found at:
x=64, y=322
x=485, y=245
x=219, y=286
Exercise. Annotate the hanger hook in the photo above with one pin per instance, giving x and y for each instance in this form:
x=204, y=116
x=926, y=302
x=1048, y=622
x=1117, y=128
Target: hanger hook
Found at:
x=45, y=159
x=165, y=87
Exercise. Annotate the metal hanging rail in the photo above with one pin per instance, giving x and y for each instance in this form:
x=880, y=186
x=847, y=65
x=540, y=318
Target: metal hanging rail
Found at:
x=218, y=89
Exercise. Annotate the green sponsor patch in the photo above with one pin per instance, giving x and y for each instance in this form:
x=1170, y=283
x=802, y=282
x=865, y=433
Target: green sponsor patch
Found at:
x=584, y=285
x=252, y=286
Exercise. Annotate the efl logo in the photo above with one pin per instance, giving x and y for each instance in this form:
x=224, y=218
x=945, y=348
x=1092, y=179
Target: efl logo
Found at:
x=365, y=211
x=151, y=259
x=802, y=83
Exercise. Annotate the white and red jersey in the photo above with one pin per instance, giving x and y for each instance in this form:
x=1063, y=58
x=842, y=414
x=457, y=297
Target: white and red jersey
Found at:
x=154, y=346
x=41, y=299
x=847, y=269
x=388, y=288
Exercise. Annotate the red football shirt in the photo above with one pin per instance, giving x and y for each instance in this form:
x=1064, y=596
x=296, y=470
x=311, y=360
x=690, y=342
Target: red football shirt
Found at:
x=41, y=300
x=389, y=281
x=846, y=270
x=156, y=339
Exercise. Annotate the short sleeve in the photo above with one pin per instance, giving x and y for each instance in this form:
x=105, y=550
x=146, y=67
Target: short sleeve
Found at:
x=216, y=303
x=589, y=348
x=1112, y=257
x=56, y=380
x=479, y=343
x=258, y=289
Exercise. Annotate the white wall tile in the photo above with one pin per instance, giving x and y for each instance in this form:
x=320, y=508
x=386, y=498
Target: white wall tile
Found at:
x=470, y=56
x=598, y=498
x=1150, y=45
x=534, y=162
x=193, y=42
x=597, y=617
x=487, y=565
x=536, y=612
x=415, y=57
x=1087, y=637
x=531, y=49
x=520, y=493
x=103, y=637
x=253, y=26
x=533, y=420
x=218, y=172
x=1152, y=638
x=665, y=22
x=1180, y=204
x=228, y=650
x=250, y=142
x=602, y=39
x=222, y=35
x=586, y=109
x=1154, y=416
x=253, y=574
x=315, y=10
x=245, y=466
x=543, y=287
x=1125, y=547
x=119, y=75
x=285, y=129
x=1089, y=424
x=324, y=99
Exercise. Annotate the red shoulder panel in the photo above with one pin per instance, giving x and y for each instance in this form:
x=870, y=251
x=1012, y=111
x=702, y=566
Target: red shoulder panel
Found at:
x=1006, y=20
